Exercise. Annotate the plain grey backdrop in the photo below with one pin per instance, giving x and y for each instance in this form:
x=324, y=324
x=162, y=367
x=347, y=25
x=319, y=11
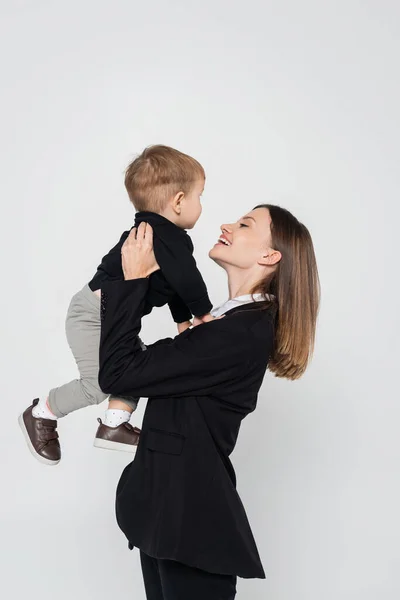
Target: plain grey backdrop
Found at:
x=292, y=102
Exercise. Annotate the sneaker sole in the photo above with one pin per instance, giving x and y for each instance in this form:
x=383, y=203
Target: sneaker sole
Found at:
x=108, y=445
x=41, y=459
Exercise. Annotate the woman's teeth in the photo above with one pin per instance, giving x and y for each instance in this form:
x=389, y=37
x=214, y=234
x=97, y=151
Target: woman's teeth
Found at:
x=224, y=241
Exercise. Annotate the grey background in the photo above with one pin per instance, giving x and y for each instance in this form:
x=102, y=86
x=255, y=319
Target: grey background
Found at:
x=290, y=102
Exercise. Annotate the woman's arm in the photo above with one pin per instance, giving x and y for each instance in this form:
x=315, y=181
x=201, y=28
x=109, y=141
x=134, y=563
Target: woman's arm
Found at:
x=197, y=362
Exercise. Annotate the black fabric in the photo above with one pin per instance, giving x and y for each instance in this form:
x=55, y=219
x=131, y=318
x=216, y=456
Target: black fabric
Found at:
x=178, y=283
x=177, y=500
x=170, y=580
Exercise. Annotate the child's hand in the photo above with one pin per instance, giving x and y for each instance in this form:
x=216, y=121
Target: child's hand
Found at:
x=183, y=326
x=207, y=318
x=204, y=319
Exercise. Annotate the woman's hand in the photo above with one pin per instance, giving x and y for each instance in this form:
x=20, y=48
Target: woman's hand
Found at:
x=137, y=254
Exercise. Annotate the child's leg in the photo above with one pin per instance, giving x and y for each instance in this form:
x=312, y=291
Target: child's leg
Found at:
x=83, y=329
x=119, y=410
x=83, y=334
x=39, y=421
x=116, y=433
x=123, y=403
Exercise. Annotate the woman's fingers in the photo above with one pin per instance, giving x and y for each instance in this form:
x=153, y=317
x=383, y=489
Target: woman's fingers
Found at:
x=148, y=234
x=131, y=239
x=138, y=259
x=141, y=232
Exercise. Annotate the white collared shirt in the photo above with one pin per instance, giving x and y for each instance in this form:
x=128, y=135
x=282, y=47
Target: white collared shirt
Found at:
x=234, y=302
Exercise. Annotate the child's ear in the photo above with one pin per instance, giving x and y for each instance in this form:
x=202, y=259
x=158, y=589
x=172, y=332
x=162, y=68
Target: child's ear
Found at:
x=177, y=202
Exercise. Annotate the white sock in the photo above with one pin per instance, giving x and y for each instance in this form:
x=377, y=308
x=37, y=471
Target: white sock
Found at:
x=114, y=417
x=42, y=410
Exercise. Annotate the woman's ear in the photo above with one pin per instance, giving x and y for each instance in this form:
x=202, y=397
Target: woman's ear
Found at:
x=176, y=203
x=271, y=258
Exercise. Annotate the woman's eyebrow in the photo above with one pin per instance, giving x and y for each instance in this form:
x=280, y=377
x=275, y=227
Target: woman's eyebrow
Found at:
x=249, y=218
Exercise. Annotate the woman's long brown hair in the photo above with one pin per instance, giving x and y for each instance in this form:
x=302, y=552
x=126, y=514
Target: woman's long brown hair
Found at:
x=295, y=286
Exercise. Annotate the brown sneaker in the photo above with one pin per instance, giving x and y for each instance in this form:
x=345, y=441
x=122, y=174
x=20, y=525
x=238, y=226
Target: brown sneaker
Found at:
x=124, y=437
x=41, y=436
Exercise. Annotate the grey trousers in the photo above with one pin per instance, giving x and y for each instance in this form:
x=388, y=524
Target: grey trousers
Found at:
x=83, y=327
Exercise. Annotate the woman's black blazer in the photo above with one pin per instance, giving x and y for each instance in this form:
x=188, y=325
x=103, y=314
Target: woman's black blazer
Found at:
x=178, y=500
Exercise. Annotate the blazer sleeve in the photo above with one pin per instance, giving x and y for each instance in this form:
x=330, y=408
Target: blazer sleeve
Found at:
x=198, y=362
x=179, y=268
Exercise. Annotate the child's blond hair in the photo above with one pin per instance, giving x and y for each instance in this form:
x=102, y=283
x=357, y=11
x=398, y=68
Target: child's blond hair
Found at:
x=158, y=174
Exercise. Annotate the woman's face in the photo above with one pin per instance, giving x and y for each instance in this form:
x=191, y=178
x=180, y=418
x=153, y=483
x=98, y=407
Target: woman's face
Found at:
x=245, y=243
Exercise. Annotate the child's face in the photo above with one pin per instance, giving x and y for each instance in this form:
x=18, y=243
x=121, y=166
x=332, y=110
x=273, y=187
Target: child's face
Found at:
x=191, y=206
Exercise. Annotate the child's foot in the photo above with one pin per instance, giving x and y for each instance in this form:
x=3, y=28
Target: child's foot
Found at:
x=124, y=437
x=41, y=436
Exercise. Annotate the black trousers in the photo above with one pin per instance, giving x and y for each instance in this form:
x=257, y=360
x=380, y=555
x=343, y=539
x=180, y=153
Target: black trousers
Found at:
x=170, y=580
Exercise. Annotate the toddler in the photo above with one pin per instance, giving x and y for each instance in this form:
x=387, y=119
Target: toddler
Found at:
x=165, y=187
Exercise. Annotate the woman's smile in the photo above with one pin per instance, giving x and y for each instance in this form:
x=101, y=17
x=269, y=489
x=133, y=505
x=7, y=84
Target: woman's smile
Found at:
x=223, y=241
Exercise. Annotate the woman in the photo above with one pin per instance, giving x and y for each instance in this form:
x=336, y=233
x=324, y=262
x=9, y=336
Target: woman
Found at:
x=177, y=502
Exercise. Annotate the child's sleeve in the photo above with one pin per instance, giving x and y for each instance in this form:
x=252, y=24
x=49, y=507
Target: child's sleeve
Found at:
x=179, y=311
x=180, y=270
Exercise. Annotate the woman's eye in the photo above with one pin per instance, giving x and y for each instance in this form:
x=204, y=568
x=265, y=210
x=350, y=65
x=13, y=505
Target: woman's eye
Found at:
x=243, y=225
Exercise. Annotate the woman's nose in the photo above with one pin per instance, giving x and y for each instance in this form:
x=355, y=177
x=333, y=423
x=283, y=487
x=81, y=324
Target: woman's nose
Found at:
x=226, y=228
